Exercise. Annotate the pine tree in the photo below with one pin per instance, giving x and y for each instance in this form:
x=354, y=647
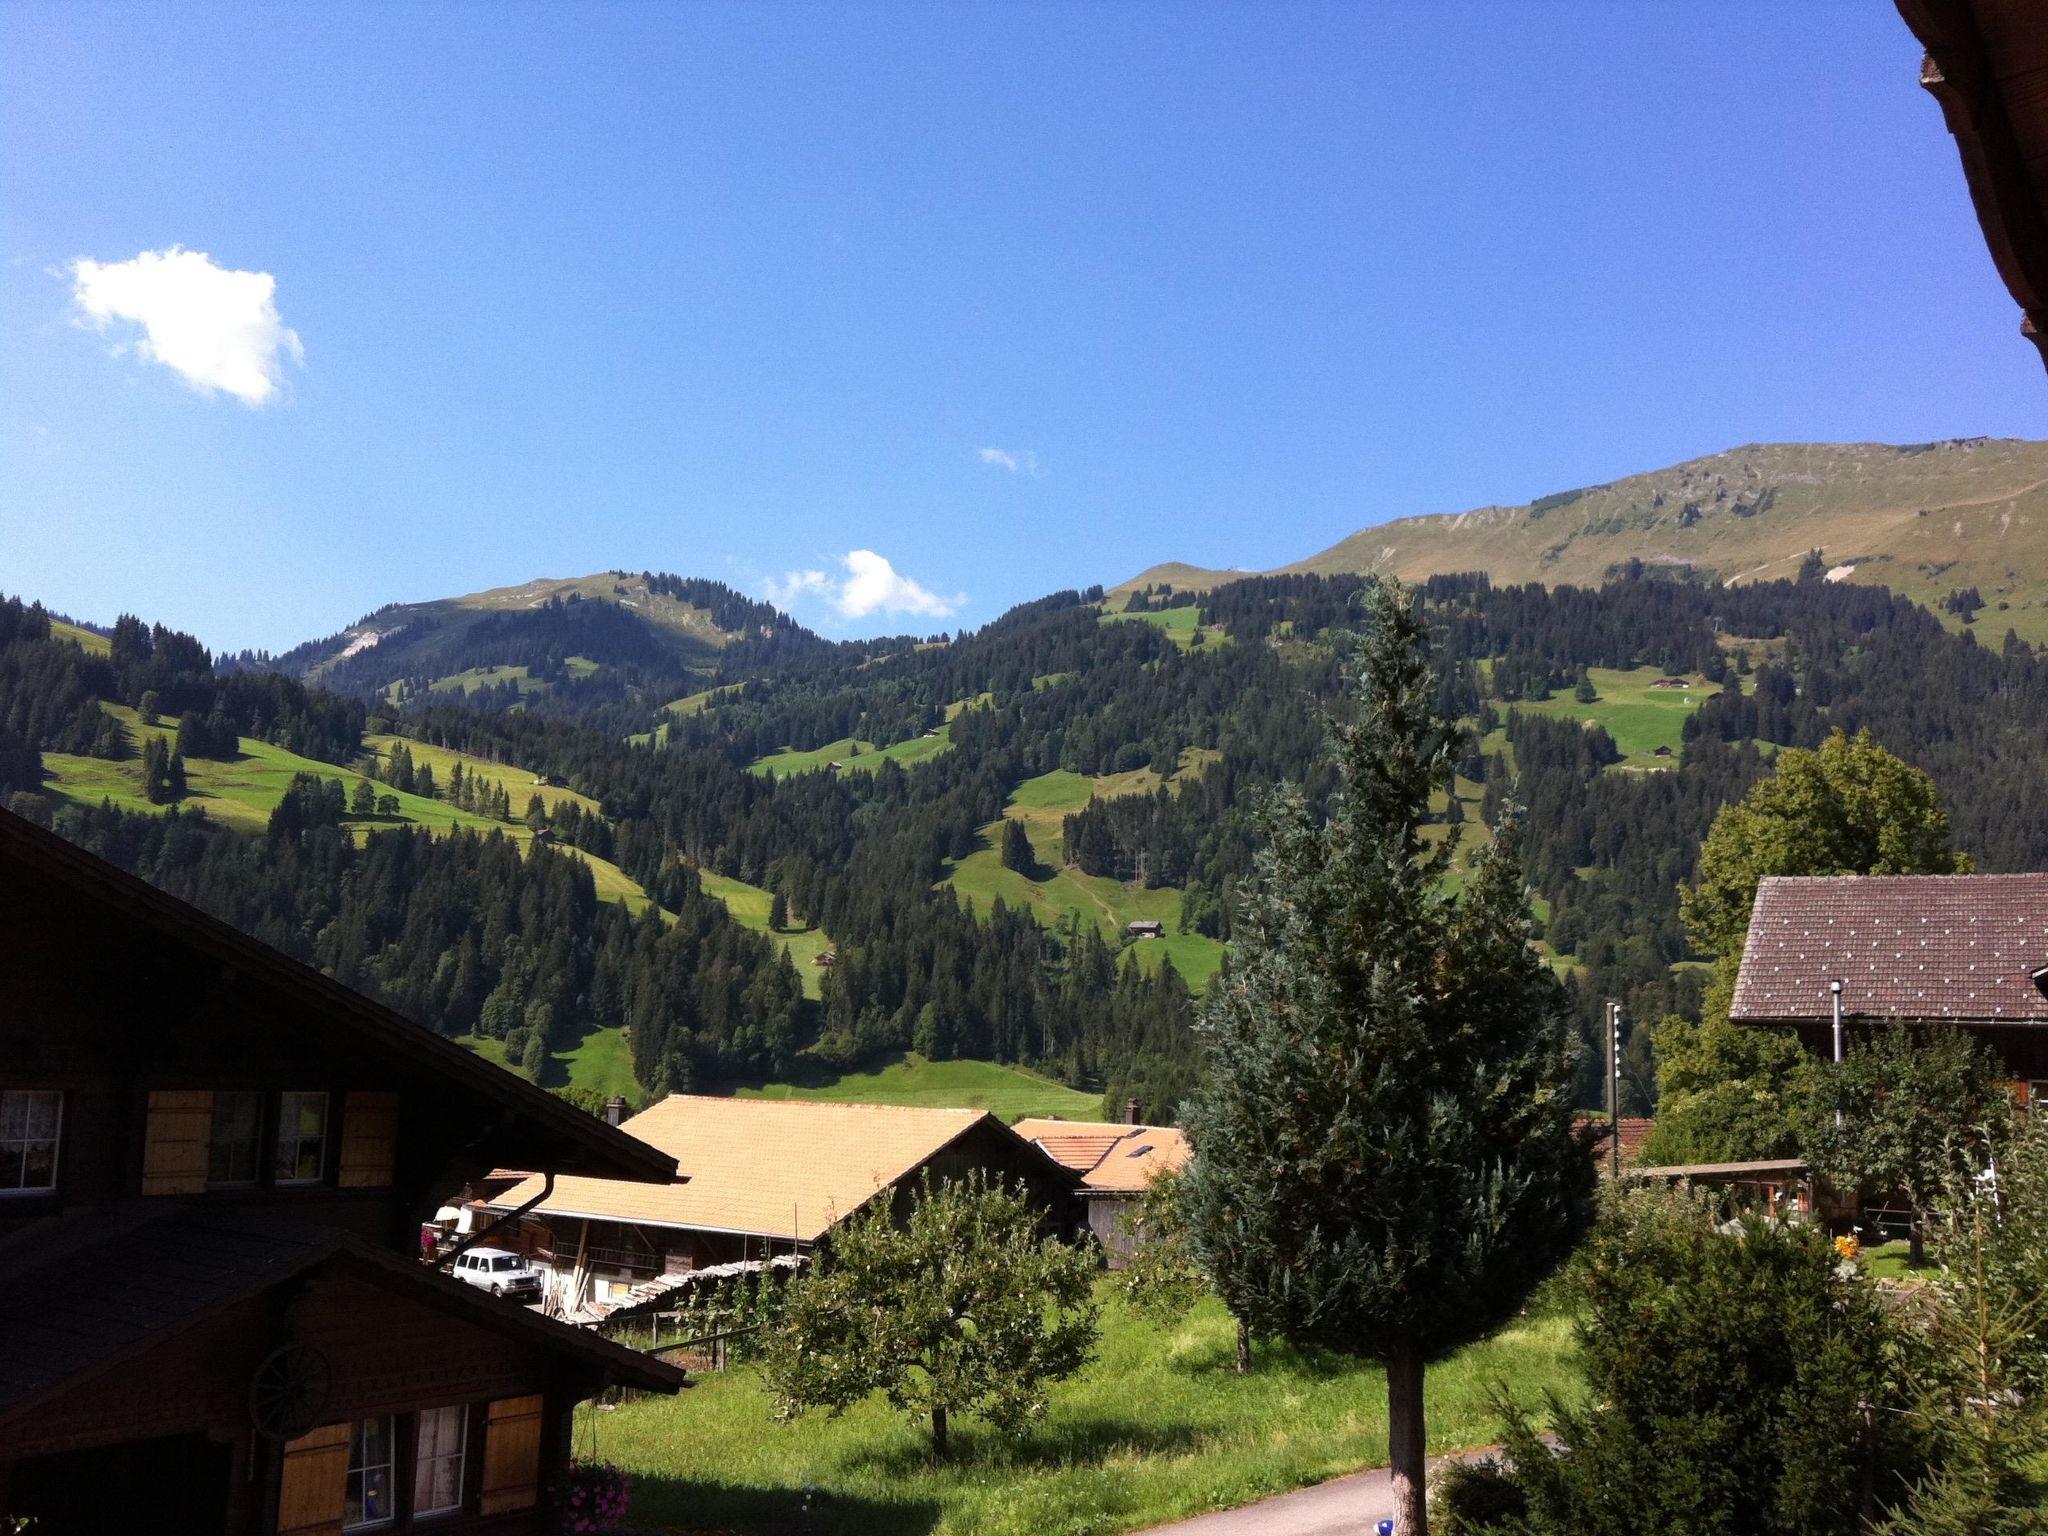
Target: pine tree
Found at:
x=1385, y=1164
x=1017, y=852
x=778, y=912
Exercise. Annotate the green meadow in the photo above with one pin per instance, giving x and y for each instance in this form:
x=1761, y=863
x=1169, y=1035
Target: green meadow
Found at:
x=750, y=906
x=1011, y=1093
x=1640, y=716
x=86, y=640
x=242, y=792
x=1180, y=624
x=1054, y=891
x=601, y=1061
x=1158, y=1427
x=853, y=755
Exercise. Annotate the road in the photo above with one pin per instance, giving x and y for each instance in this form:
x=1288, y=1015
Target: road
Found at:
x=1344, y=1506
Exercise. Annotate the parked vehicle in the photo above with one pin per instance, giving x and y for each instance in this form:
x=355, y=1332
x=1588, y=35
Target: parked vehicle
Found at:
x=500, y=1272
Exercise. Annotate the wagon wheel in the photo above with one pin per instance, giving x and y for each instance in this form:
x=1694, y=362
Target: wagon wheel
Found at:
x=289, y=1391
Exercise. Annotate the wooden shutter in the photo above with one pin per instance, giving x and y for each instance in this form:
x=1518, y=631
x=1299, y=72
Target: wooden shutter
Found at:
x=312, y=1494
x=512, y=1455
x=369, y=1140
x=175, y=1145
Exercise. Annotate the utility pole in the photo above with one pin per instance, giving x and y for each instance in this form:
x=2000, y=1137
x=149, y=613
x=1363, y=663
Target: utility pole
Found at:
x=1835, y=993
x=1614, y=1089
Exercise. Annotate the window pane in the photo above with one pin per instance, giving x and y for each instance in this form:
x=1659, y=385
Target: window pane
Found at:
x=29, y=1123
x=369, y=1474
x=437, y=1483
x=231, y=1153
x=301, y=1136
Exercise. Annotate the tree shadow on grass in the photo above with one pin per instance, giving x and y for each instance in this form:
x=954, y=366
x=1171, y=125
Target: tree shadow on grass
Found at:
x=667, y=1505
x=1067, y=1442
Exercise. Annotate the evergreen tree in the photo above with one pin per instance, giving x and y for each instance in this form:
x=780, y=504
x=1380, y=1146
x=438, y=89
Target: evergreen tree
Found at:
x=1385, y=1163
x=1017, y=852
x=363, y=802
x=1585, y=692
x=778, y=911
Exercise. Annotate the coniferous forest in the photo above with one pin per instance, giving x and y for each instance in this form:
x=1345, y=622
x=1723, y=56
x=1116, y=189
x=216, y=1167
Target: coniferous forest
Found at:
x=473, y=935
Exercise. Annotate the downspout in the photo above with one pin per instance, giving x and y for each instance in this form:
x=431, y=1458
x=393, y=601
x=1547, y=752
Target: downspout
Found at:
x=547, y=1187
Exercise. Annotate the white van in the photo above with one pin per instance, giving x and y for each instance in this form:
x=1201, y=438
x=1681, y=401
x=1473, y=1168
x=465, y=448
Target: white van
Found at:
x=499, y=1272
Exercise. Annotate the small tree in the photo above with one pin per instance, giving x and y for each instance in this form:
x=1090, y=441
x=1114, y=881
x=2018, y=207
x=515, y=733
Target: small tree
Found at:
x=778, y=912
x=1016, y=850
x=1585, y=692
x=1161, y=1280
x=1385, y=1162
x=363, y=801
x=1738, y=1382
x=1978, y=1385
x=1917, y=1115
x=962, y=1308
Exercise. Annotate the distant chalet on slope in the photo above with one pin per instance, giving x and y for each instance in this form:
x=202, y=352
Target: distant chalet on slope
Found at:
x=214, y=1162
x=767, y=1178
x=1987, y=64
x=1966, y=951
x=1116, y=1162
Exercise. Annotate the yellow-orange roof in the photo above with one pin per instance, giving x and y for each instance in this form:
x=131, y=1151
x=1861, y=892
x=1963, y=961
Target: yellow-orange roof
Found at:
x=777, y=1167
x=1109, y=1156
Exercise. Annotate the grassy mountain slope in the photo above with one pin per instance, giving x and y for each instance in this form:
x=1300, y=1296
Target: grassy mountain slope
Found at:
x=242, y=791
x=1922, y=520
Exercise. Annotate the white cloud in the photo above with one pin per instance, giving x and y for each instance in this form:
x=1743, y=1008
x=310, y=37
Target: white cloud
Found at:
x=1016, y=461
x=216, y=328
x=870, y=586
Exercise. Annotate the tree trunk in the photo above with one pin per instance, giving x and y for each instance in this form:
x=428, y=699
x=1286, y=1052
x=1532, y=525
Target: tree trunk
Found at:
x=1405, y=1441
x=1244, y=1348
x=939, y=1432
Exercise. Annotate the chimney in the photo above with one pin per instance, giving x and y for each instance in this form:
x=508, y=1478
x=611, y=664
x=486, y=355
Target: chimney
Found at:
x=614, y=1109
x=1130, y=1112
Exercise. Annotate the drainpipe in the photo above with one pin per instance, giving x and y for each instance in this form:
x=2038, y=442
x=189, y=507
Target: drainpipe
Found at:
x=547, y=1187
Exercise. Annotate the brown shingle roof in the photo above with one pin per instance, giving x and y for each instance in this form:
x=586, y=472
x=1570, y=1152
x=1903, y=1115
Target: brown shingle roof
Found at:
x=1108, y=1156
x=778, y=1168
x=1960, y=947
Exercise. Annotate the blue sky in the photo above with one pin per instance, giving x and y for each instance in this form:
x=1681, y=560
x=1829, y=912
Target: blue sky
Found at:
x=740, y=291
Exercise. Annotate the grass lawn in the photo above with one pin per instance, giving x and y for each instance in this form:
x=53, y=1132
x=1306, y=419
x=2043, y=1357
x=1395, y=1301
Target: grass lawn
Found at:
x=854, y=756
x=750, y=905
x=1639, y=716
x=1158, y=1428
x=1009, y=1092
x=1887, y=1261
x=1054, y=890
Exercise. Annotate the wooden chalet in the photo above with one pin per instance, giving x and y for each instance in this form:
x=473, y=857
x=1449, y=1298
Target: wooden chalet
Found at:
x=214, y=1166
x=1987, y=65
x=768, y=1178
x=1933, y=951
x=1146, y=928
x=1116, y=1162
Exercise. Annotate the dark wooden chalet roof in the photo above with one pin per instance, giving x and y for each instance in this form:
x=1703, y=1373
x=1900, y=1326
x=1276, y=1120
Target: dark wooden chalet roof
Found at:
x=1960, y=947
x=516, y=1121
x=1987, y=64
x=85, y=1294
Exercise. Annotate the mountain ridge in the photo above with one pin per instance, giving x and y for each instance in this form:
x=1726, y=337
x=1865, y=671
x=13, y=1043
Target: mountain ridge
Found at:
x=1924, y=519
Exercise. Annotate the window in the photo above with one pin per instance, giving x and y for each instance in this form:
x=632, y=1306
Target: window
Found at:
x=301, y=1138
x=231, y=1149
x=505, y=1262
x=437, y=1468
x=368, y=1500
x=29, y=1122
